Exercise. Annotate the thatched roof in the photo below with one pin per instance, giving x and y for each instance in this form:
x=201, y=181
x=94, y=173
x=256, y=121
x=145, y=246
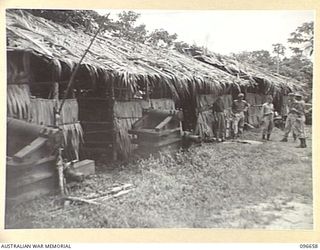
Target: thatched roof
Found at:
x=270, y=82
x=113, y=58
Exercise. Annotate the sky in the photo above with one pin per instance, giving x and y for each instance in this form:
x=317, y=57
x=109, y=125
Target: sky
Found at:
x=225, y=32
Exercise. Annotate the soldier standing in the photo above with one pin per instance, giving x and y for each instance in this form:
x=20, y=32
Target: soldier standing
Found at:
x=218, y=112
x=267, y=114
x=291, y=118
x=239, y=106
x=299, y=109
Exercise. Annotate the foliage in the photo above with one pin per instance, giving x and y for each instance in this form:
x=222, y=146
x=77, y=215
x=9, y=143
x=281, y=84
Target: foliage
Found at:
x=162, y=38
x=279, y=49
x=126, y=27
x=304, y=37
x=83, y=19
x=298, y=67
x=261, y=58
x=181, y=46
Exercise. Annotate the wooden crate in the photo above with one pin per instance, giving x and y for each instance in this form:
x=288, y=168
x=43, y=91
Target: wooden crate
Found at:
x=86, y=167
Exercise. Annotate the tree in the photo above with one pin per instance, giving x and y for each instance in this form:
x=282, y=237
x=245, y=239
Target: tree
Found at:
x=261, y=58
x=279, y=50
x=162, y=38
x=125, y=27
x=298, y=67
x=86, y=20
x=303, y=38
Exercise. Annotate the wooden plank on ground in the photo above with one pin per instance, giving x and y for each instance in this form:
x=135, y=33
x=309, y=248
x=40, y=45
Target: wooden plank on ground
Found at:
x=162, y=124
x=86, y=167
x=31, y=148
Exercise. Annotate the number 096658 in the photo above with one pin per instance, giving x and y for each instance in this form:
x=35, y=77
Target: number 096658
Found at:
x=308, y=246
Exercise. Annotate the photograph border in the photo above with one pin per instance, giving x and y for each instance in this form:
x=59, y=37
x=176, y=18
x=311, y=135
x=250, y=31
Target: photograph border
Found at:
x=165, y=235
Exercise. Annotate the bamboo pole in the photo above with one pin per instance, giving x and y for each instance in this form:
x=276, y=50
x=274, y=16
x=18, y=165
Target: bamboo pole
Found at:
x=71, y=81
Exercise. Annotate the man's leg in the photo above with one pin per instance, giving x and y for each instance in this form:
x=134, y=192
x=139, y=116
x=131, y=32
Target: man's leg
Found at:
x=235, y=123
x=241, y=123
x=287, y=128
x=270, y=128
x=264, y=128
x=300, y=131
x=223, y=127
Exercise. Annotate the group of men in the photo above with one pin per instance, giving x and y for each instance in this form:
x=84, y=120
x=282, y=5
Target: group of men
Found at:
x=239, y=107
x=294, y=122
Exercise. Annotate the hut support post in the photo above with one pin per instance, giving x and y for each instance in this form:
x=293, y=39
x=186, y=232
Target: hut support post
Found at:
x=113, y=117
x=57, y=121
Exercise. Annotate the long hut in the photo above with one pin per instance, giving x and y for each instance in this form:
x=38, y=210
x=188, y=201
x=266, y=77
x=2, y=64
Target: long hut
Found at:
x=116, y=81
x=262, y=82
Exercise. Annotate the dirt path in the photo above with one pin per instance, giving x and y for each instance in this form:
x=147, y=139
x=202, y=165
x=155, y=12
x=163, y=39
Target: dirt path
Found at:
x=279, y=214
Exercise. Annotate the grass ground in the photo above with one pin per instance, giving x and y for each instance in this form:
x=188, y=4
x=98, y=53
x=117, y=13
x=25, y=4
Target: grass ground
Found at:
x=214, y=185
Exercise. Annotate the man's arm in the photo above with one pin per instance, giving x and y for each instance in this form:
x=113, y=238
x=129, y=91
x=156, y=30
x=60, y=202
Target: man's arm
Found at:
x=262, y=111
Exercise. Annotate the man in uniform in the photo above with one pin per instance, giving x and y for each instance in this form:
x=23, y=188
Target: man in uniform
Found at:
x=298, y=127
x=267, y=114
x=291, y=118
x=239, y=106
x=218, y=113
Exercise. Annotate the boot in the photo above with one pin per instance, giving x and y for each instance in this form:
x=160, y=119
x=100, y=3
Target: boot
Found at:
x=294, y=137
x=263, y=137
x=302, y=143
x=285, y=139
x=268, y=137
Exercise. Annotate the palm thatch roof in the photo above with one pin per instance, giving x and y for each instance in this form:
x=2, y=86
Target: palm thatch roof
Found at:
x=129, y=64
x=114, y=58
x=271, y=83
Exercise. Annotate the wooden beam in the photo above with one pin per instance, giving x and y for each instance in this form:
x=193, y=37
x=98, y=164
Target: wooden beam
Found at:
x=140, y=122
x=163, y=123
x=153, y=132
x=32, y=147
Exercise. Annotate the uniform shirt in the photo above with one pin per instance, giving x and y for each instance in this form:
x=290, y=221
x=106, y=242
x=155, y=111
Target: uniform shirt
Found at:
x=267, y=109
x=218, y=106
x=239, y=106
x=298, y=107
x=290, y=104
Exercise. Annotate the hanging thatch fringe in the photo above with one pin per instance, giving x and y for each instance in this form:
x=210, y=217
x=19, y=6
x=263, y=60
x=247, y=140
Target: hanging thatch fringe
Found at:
x=72, y=139
x=40, y=111
x=18, y=101
x=204, y=124
x=123, y=139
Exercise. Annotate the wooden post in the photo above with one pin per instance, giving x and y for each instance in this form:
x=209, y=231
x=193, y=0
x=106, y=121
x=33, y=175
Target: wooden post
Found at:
x=55, y=96
x=57, y=122
x=113, y=117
